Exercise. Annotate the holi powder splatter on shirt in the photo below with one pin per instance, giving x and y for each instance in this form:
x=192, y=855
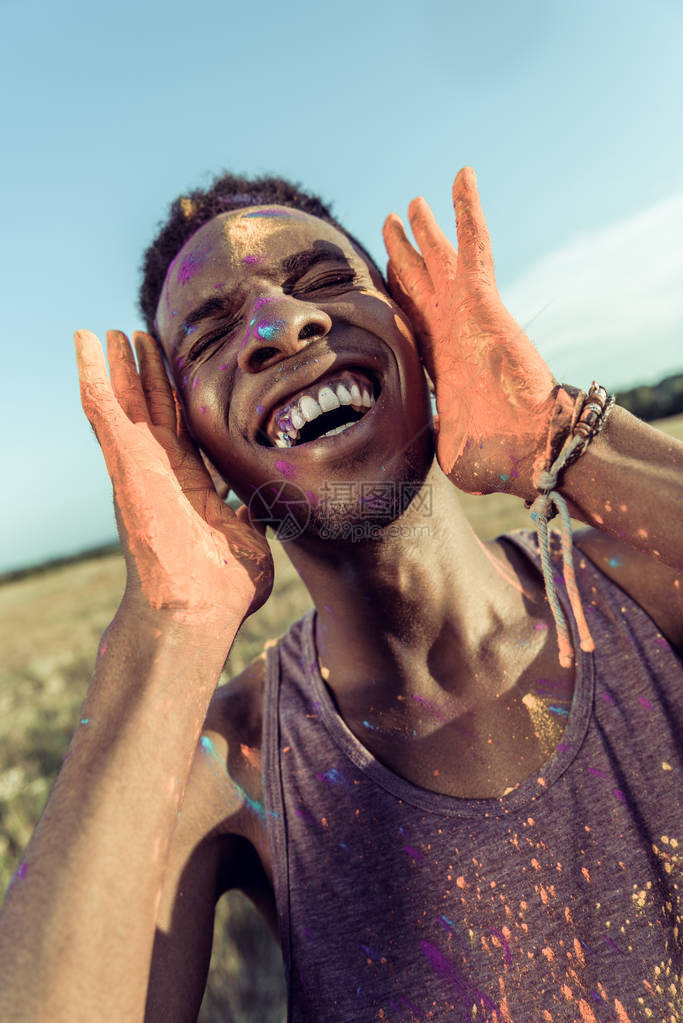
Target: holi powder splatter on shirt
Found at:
x=557, y=902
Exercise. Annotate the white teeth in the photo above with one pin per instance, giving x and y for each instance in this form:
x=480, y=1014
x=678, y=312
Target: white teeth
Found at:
x=327, y=399
x=337, y=429
x=297, y=419
x=306, y=409
x=310, y=409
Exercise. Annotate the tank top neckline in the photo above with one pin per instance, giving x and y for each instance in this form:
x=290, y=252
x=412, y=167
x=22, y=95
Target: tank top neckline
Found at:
x=526, y=792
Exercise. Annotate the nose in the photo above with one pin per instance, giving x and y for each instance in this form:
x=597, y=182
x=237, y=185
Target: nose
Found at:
x=280, y=328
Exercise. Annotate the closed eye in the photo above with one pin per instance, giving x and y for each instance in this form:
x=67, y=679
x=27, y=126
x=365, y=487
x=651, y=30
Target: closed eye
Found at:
x=339, y=279
x=200, y=346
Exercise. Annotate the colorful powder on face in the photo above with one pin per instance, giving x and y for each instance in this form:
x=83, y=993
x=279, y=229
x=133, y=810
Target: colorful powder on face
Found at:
x=250, y=259
x=269, y=331
x=268, y=213
x=286, y=468
x=191, y=263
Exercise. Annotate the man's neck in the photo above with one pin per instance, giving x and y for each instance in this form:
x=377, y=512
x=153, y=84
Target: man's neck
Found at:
x=424, y=610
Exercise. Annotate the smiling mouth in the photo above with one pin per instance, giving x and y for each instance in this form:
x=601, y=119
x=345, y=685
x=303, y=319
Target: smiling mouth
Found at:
x=327, y=408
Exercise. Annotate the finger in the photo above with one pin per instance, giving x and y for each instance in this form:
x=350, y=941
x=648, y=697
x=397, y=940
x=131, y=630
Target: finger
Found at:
x=408, y=265
x=440, y=255
x=405, y=300
x=182, y=432
x=125, y=379
x=155, y=384
x=242, y=514
x=192, y=466
x=474, y=242
x=97, y=397
x=219, y=482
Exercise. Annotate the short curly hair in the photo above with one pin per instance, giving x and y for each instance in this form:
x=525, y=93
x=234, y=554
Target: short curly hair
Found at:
x=227, y=192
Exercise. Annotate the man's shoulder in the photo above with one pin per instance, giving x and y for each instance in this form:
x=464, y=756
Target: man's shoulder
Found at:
x=236, y=708
x=654, y=586
x=225, y=778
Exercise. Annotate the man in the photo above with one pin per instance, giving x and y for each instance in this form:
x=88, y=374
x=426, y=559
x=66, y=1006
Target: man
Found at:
x=442, y=819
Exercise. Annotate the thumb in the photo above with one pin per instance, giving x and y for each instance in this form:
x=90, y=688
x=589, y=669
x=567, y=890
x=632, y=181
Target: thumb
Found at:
x=244, y=517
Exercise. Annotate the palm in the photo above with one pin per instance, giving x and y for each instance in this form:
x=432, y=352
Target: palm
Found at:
x=494, y=392
x=185, y=549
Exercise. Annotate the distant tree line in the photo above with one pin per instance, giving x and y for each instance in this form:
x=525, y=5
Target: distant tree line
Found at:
x=657, y=401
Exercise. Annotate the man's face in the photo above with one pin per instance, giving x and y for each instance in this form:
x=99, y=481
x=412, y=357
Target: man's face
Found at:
x=277, y=332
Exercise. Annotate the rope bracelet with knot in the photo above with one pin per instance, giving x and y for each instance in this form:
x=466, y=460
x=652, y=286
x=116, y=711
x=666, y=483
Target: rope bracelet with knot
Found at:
x=563, y=447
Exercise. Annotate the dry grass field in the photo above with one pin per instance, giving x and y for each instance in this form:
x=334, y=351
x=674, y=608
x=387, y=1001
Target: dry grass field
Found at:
x=50, y=625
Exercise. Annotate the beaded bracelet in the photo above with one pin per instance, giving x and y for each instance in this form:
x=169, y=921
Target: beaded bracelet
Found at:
x=589, y=416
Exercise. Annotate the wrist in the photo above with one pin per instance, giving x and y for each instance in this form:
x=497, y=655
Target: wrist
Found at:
x=564, y=407
x=190, y=628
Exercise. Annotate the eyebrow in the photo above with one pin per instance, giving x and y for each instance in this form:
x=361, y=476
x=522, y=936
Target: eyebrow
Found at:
x=300, y=262
x=295, y=266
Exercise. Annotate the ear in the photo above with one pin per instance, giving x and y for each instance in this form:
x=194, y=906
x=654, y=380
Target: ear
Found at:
x=222, y=488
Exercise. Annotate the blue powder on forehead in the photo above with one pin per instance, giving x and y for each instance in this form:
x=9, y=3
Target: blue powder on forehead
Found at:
x=269, y=213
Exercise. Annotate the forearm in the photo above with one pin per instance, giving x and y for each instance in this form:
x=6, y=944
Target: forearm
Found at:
x=77, y=930
x=629, y=483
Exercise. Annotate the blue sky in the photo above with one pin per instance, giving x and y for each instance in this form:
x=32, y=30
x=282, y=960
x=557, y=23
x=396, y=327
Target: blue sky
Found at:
x=570, y=114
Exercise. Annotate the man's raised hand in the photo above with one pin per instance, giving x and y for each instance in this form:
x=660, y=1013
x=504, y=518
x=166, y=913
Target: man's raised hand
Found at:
x=494, y=392
x=186, y=551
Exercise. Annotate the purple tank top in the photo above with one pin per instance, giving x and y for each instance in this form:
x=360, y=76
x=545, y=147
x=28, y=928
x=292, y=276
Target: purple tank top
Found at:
x=558, y=902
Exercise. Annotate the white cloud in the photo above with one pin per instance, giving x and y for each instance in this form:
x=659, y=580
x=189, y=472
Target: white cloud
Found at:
x=616, y=300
